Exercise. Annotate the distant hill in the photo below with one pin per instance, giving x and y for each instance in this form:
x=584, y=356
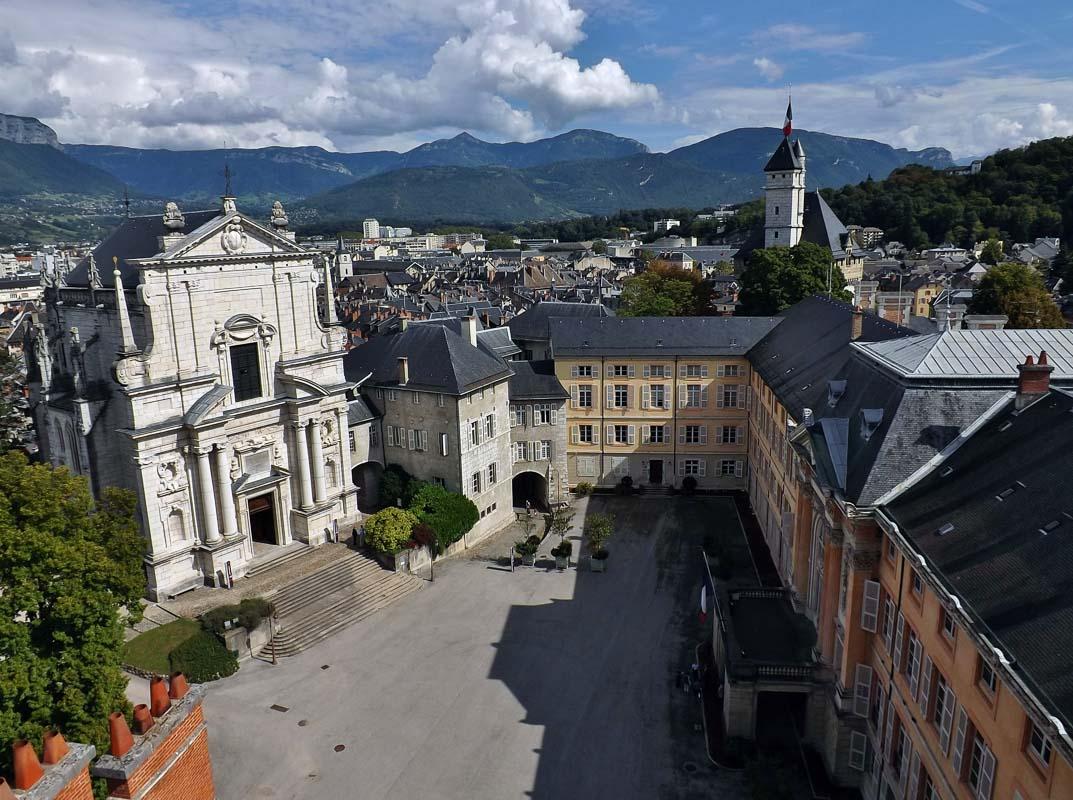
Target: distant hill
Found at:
x=265, y=174
x=36, y=169
x=26, y=130
x=831, y=161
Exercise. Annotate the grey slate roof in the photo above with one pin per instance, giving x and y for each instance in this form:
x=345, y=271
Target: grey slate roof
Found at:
x=821, y=225
x=783, y=159
x=534, y=323
x=974, y=353
x=439, y=360
x=660, y=336
x=135, y=237
x=1009, y=559
x=535, y=380
x=358, y=411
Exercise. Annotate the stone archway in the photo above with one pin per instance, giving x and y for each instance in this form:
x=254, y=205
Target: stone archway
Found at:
x=531, y=487
x=367, y=478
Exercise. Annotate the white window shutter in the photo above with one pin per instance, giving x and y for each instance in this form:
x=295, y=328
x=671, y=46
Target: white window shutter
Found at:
x=889, y=739
x=720, y=371
x=914, y=776
x=925, y=685
x=410, y=439
x=632, y=434
x=610, y=396
x=704, y=434
x=862, y=690
x=704, y=397
x=645, y=396
x=870, y=606
x=610, y=370
x=595, y=434
x=610, y=434
x=720, y=399
x=682, y=435
x=888, y=615
x=987, y=775
x=573, y=371
x=742, y=390
x=959, y=741
x=666, y=395
x=555, y=416
x=646, y=371
x=629, y=397
x=631, y=371
x=946, y=720
x=898, y=640
x=681, y=370
x=704, y=370
x=668, y=370
x=574, y=394
x=646, y=435
x=681, y=466
x=858, y=745
x=739, y=469
x=702, y=467
x=534, y=451
x=741, y=435
x=424, y=440
x=667, y=433
x=575, y=434
x=683, y=396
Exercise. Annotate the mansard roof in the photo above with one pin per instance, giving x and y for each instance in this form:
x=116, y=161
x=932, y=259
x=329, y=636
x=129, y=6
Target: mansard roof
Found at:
x=629, y=337
x=535, y=380
x=783, y=159
x=534, y=322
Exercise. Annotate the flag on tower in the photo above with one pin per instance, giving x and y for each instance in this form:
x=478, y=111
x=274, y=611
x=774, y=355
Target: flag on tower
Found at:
x=788, y=123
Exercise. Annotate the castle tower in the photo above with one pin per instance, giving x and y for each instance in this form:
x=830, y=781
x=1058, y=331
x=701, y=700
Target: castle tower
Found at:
x=785, y=191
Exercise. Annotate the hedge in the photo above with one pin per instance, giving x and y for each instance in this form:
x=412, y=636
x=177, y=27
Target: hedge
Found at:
x=450, y=515
x=389, y=530
x=203, y=658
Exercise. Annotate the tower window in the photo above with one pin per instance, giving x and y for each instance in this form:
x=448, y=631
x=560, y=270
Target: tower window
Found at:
x=776, y=234
x=776, y=211
x=246, y=371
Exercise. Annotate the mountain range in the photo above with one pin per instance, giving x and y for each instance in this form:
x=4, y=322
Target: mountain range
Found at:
x=461, y=179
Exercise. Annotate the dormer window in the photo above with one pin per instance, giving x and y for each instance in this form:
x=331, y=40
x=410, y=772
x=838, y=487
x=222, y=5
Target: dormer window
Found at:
x=835, y=390
x=870, y=420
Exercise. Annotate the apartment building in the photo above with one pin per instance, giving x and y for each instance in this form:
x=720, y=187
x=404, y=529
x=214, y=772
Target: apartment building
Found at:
x=656, y=398
x=903, y=528
x=537, y=435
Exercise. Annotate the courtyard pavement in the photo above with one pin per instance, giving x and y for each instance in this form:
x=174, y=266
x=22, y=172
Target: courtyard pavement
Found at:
x=492, y=685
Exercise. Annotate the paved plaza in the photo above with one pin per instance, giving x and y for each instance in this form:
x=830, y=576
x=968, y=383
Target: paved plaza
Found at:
x=493, y=685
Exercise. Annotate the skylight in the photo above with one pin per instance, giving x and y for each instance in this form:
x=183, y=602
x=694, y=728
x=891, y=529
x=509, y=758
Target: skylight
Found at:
x=945, y=528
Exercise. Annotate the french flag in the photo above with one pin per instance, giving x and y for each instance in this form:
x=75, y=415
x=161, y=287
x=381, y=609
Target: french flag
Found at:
x=788, y=123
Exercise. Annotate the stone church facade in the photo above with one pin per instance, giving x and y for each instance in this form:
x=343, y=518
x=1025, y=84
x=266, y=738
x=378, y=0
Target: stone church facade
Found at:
x=191, y=359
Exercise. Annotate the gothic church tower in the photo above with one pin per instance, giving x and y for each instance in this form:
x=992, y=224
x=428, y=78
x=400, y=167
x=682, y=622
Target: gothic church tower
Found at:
x=785, y=191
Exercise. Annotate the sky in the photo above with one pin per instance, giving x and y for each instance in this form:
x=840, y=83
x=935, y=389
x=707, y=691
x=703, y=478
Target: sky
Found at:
x=968, y=75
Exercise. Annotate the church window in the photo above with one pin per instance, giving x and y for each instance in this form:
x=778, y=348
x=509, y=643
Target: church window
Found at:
x=246, y=371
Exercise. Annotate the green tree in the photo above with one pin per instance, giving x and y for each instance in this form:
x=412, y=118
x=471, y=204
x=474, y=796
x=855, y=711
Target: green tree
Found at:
x=598, y=529
x=776, y=278
x=500, y=241
x=599, y=247
x=991, y=252
x=450, y=515
x=664, y=292
x=68, y=567
x=1016, y=290
x=389, y=529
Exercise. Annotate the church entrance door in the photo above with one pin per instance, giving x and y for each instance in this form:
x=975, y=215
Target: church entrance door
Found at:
x=262, y=519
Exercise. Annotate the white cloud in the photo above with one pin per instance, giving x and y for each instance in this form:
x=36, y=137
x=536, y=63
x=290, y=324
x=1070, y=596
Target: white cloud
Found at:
x=768, y=68
x=500, y=67
x=793, y=36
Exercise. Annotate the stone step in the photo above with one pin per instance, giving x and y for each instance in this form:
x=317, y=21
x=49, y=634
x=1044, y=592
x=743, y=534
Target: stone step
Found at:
x=260, y=567
x=347, y=612
x=339, y=594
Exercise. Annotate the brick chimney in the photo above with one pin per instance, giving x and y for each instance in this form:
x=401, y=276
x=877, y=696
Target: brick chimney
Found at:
x=856, y=324
x=404, y=370
x=170, y=761
x=1034, y=380
x=64, y=776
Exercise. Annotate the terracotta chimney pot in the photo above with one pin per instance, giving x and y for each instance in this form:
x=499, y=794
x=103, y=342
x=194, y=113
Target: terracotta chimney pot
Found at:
x=143, y=720
x=27, y=768
x=177, y=686
x=159, y=702
x=55, y=747
x=5, y=790
x=119, y=733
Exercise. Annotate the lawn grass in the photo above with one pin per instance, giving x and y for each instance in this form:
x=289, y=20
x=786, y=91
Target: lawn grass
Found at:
x=150, y=650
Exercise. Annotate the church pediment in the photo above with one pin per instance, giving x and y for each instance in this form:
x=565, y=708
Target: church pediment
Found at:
x=231, y=235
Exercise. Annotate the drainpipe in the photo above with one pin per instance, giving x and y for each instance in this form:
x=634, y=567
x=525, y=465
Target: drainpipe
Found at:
x=602, y=399
x=891, y=671
x=674, y=423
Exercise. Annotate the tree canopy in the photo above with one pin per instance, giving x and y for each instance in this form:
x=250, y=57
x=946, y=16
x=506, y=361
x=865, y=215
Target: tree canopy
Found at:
x=664, y=292
x=389, y=530
x=68, y=566
x=776, y=278
x=450, y=515
x=1016, y=290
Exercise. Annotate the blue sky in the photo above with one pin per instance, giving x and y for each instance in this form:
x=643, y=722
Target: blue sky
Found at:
x=968, y=75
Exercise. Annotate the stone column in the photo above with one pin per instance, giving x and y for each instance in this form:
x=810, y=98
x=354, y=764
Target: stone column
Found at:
x=318, y=461
x=305, y=481
x=210, y=530
x=228, y=521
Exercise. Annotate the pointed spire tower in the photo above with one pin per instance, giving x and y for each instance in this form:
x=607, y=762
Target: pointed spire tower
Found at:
x=784, y=188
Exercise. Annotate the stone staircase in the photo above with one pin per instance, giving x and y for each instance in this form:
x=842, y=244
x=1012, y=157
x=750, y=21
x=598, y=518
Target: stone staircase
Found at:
x=264, y=564
x=323, y=602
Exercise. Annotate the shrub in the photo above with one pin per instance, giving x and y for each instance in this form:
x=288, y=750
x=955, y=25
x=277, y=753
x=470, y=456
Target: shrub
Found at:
x=393, y=485
x=203, y=658
x=214, y=621
x=450, y=515
x=563, y=549
x=599, y=528
x=689, y=484
x=527, y=547
x=584, y=489
x=424, y=536
x=390, y=529
x=253, y=611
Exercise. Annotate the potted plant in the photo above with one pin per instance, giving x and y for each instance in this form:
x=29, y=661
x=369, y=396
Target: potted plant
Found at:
x=584, y=489
x=527, y=548
x=625, y=486
x=562, y=553
x=689, y=484
x=598, y=529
